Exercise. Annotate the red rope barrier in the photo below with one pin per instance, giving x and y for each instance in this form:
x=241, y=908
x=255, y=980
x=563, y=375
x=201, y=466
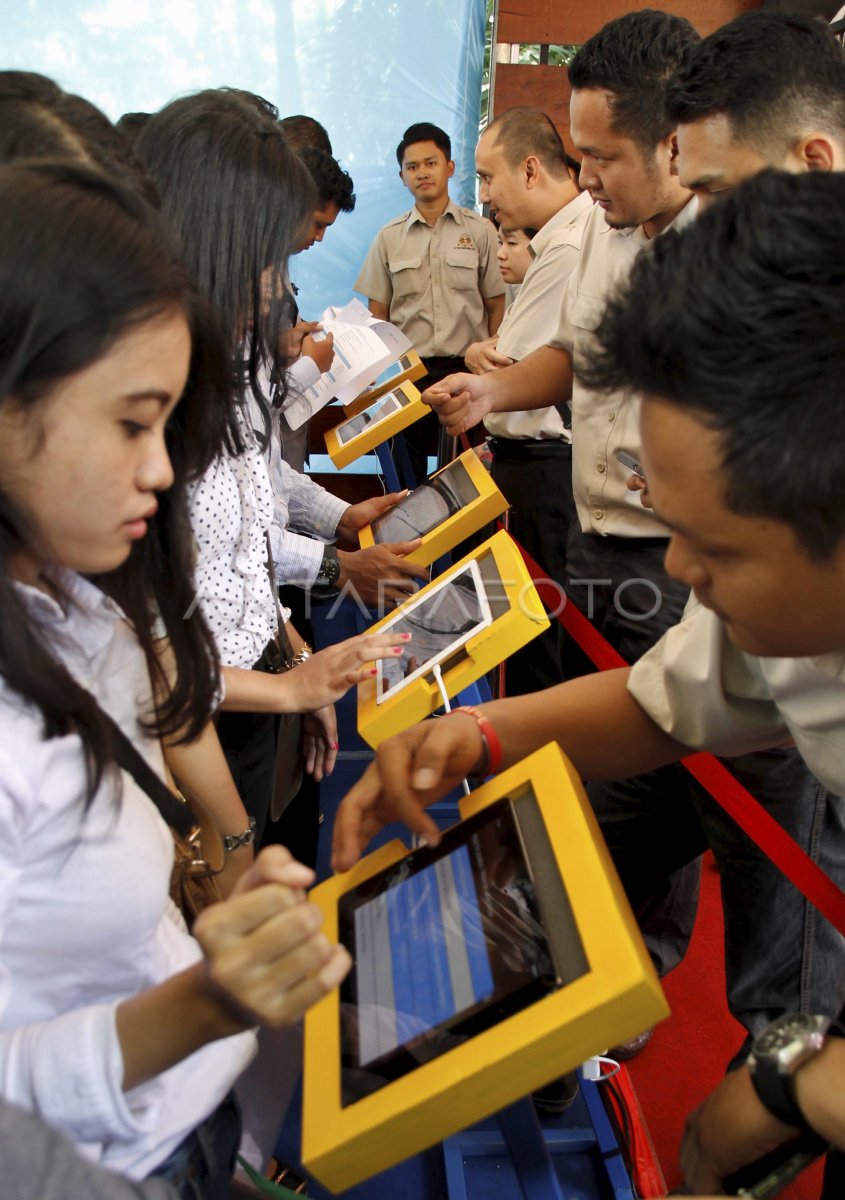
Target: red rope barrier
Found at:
x=748, y=813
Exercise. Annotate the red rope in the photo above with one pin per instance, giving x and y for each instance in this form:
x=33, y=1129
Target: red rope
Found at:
x=749, y=814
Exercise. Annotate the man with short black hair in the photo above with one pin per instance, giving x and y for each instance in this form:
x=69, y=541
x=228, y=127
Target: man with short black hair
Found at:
x=767, y=89
x=335, y=195
x=615, y=559
x=432, y=271
x=734, y=335
x=301, y=131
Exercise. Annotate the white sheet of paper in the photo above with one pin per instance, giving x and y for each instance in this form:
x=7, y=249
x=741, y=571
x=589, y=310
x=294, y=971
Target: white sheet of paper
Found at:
x=363, y=347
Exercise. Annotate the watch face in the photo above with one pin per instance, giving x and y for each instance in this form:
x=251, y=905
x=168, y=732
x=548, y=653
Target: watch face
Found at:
x=783, y=1033
x=330, y=570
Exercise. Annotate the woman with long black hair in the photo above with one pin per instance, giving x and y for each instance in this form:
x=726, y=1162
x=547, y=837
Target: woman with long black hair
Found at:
x=239, y=200
x=114, y=394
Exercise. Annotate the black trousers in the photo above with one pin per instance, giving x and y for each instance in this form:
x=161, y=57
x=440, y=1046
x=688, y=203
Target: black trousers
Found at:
x=536, y=480
x=423, y=437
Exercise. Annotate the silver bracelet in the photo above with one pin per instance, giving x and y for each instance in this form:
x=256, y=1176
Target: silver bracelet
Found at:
x=234, y=841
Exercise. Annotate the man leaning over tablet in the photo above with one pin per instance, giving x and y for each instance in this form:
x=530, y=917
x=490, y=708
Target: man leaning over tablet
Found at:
x=733, y=333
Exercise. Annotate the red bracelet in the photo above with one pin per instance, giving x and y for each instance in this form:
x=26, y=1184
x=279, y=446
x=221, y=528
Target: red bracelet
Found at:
x=492, y=746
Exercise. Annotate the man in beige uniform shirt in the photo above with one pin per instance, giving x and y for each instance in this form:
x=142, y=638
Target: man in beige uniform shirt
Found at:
x=733, y=336
x=616, y=551
x=521, y=165
x=433, y=271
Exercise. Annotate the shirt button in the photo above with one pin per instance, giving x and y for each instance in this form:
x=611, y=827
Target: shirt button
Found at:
x=598, y=514
x=601, y=468
x=611, y=416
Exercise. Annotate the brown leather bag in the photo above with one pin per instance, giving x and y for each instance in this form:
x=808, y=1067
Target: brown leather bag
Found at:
x=199, y=857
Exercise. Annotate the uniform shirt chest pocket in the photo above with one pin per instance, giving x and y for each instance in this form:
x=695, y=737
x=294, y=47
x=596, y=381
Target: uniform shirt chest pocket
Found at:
x=407, y=276
x=462, y=269
x=587, y=313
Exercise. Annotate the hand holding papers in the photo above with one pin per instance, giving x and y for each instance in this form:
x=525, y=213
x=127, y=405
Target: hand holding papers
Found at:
x=363, y=347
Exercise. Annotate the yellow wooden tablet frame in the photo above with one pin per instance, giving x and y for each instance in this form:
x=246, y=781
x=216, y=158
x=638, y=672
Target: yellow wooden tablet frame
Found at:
x=415, y=369
x=523, y=620
x=487, y=505
x=344, y=453
x=616, y=999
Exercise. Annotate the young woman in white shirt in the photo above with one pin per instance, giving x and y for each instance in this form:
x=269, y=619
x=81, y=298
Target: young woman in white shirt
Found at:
x=116, y=1026
x=239, y=199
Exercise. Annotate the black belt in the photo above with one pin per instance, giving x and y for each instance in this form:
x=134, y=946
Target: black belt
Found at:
x=444, y=362
x=520, y=449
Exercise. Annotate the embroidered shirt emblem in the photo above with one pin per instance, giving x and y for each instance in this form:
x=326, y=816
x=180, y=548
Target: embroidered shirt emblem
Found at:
x=465, y=242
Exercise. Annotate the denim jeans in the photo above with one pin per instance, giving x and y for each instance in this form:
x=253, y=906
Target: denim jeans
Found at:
x=201, y=1166
x=780, y=954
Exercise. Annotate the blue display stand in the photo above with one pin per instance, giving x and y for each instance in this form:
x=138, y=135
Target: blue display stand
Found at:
x=515, y=1153
x=512, y=1153
x=395, y=464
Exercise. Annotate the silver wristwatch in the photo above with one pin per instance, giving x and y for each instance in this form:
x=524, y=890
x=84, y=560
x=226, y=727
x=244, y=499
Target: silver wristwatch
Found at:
x=777, y=1052
x=234, y=841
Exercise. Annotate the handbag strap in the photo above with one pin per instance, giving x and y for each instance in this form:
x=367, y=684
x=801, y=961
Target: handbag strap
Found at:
x=177, y=814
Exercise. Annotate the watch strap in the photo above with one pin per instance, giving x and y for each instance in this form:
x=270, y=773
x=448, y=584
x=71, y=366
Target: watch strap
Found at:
x=776, y=1092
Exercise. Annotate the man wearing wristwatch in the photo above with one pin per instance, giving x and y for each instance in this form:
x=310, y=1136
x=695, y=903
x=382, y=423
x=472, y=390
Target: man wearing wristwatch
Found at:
x=792, y=1083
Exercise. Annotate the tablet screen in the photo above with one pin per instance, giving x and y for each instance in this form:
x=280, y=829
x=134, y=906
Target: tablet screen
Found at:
x=390, y=372
x=440, y=624
x=450, y=941
x=428, y=506
x=376, y=412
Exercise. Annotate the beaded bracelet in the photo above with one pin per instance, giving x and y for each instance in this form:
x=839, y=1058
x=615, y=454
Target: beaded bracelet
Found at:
x=492, y=746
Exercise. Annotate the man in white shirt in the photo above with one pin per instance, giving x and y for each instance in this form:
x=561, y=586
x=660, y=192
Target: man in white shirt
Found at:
x=615, y=558
x=615, y=547
x=521, y=165
x=733, y=335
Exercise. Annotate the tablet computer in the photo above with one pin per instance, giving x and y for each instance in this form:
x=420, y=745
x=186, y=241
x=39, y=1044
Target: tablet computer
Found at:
x=466, y=630
x=404, y=370
x=376, y=412
x=427, y=506
x=441, y=621
x=380, y=420
x=483, y=968
x=451, y=941
x=444, y=511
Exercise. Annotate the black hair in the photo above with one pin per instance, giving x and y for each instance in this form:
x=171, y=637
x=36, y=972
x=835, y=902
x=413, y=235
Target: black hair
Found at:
x=260, y=103
x=301, y=131
x=83, y=261
x=774, y=75
x=334, y=185
x=424, y=131
x=633, y=58
x=130, y=124
x=239, y=199
x=526, y=229
x=522, y=131
x=741, y=319
x=38, y=119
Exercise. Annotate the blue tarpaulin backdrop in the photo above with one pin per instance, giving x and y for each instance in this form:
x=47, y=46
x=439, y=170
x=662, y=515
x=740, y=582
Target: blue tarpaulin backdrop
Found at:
x=365, y=68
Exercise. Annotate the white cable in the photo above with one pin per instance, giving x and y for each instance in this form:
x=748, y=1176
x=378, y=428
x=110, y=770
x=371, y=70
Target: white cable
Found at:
x=592, y=1068
x=435, y=670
